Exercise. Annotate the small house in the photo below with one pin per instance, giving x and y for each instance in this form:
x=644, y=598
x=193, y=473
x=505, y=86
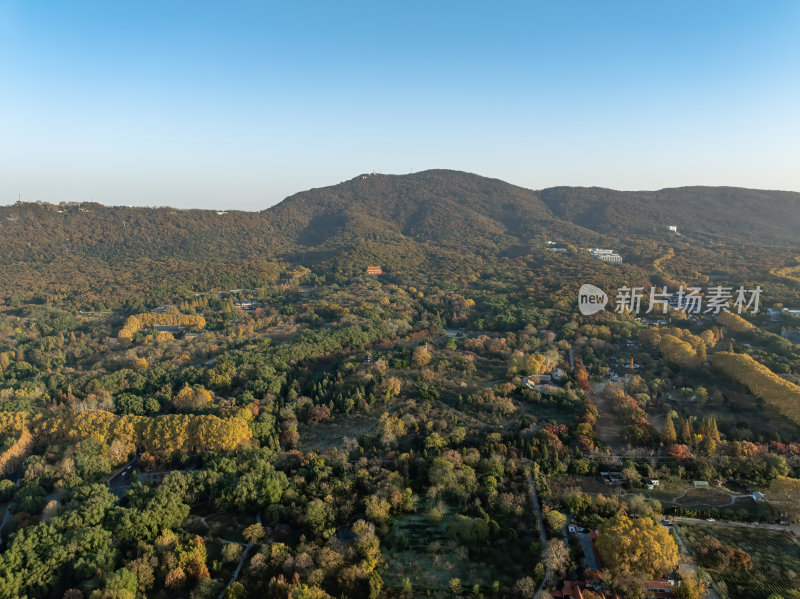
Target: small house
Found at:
x=374, y=270
x=246, y=305
x=658, y=589
x=612, y=479
x=774, y=314
x=574, y=528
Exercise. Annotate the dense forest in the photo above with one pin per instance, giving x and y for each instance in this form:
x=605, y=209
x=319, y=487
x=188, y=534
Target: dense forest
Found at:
x=439, y=221
x=225, y=404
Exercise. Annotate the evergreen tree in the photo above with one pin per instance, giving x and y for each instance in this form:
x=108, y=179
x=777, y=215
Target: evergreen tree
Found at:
x=668, y=435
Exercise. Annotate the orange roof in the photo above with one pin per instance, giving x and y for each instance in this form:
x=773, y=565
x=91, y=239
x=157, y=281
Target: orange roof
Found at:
x=661, y=585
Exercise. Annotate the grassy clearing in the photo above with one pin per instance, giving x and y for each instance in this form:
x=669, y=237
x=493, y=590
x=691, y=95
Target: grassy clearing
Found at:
x=708, y=496
x=426, y=553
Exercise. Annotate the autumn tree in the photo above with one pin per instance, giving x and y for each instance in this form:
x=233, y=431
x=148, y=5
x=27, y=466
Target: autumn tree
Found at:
x=422, y=356
x=692, y=587
x=189, y=399
x=638, y=546
x=391, y=387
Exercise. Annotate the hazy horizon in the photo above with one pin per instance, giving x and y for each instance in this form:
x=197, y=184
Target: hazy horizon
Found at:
x=355, y=176
x=211, y=105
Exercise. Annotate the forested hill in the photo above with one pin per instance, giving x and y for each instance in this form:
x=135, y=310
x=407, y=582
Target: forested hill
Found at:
x=443, y=207
x=768, y=217
x=424, y=221
x=450, y=208
x=440, y=205
x=41, y=232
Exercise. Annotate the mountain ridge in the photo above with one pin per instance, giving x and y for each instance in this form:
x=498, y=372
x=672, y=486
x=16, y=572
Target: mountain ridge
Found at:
x=444, y=208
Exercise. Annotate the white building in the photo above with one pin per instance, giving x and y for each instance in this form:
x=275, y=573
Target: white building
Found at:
x=672, y=228
x=774, y=314
x=605, y=255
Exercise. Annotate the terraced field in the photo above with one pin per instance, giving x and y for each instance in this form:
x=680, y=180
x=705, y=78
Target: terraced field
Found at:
x=776, y=559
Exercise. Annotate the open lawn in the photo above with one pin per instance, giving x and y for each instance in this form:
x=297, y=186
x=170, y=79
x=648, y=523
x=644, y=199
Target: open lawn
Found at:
x=704, y=497
x=331, y=433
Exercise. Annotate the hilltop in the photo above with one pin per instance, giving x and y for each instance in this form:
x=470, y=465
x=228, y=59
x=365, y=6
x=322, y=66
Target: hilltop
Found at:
x=432, y=220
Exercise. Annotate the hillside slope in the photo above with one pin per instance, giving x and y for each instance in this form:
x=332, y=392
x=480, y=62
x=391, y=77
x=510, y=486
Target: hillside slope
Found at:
x=436, y=221
x=770, y=217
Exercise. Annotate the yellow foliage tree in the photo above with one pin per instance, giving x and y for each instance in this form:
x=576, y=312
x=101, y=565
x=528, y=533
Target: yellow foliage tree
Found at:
x=422, y=356
x=19, y=450
x=779, y=393
x=190, y=398
x=734, y=322
x=137, y=322
x=637, y=547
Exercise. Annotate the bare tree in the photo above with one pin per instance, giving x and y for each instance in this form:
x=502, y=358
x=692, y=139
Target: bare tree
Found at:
x=556, y=557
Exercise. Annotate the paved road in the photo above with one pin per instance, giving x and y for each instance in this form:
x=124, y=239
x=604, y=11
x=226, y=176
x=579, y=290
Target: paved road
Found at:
x=241, y=562
x=588, y=551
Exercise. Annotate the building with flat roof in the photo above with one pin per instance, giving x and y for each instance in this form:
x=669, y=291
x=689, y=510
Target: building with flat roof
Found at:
x=605, y=255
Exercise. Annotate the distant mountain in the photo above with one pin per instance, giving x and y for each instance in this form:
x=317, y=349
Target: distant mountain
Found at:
x=456, y=209
x=434, y=219
x=770, y=217
x=443, y=207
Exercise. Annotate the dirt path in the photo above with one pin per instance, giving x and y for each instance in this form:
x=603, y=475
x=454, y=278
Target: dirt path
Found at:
x=689, y=566
x=537, y=511
x=241, y=561
x=608, y=423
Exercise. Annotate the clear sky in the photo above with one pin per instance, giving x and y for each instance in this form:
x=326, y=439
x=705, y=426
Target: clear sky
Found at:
x=238, y=104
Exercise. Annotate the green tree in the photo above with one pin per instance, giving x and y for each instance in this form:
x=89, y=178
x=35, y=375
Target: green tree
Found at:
x=254, y=533
x=555, y=520
x=318, y=514
x=668, y=435
x=231, y=552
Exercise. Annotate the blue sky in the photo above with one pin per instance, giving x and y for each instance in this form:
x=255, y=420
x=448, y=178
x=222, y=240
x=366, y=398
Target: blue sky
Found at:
x=239, y=104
